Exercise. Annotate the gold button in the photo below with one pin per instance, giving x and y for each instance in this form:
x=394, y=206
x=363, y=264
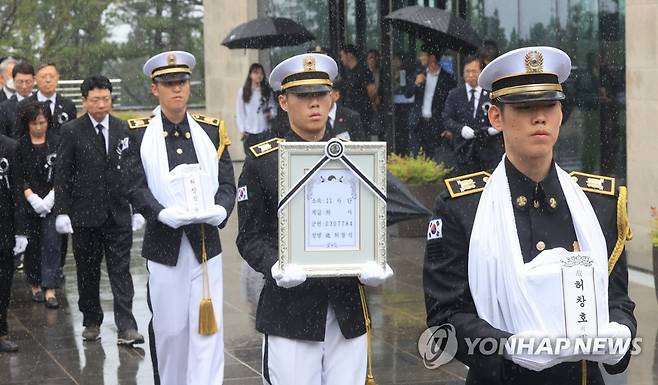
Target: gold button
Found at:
x=541, y=245
x=187, y=135
x=521, y=201
x=179, y=151
x=176, y=133
x=165, y=133
x=552, y=202
x=536, y=204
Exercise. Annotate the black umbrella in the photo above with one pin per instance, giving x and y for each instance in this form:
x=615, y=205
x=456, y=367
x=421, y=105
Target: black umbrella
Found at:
x=267, y=32
x=401, y=204
x=436, y=26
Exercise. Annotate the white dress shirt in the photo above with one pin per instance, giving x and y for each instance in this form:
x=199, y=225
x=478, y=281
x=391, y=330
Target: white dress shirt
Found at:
x=106, y=130
x=42, y=98
x=250, y=118
x=430, y=85
x=476, y=97
x=332, y=115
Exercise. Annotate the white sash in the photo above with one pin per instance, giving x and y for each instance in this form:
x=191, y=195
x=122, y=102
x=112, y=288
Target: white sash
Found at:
x=167, y=186
x=518, y=297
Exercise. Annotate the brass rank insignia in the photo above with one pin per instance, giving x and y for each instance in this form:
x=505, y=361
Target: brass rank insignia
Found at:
x=138, y=123
x=466, y=184
x=206, y=119
x=266, y=147
x=594, y=183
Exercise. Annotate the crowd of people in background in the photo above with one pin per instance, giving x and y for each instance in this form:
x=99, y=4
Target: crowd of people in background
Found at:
x=434, y=116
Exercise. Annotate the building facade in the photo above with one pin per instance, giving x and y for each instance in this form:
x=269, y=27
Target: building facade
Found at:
x=610, y=93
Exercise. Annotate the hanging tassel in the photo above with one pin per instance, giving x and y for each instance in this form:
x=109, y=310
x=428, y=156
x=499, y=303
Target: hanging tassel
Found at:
x=370, y=378
x=207, y=321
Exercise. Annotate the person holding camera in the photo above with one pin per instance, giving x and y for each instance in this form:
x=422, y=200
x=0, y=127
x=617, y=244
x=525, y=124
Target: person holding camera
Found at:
x=255, y=107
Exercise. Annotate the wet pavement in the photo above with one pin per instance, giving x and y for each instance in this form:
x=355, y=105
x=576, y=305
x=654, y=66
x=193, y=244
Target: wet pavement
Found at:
x=52, y=351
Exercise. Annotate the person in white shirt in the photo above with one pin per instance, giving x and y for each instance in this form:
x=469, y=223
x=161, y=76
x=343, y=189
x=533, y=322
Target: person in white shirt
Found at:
x=255, y=107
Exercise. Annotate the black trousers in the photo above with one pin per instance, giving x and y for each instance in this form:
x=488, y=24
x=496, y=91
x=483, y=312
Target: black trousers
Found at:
x=6, y=276
x=90, y=244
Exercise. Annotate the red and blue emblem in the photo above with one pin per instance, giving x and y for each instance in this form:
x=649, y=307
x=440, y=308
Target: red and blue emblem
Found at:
x=435, y=229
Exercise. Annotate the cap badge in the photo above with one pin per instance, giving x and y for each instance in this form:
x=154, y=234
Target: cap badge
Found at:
x=171, y=59
x=309, y=63
x=534, y=62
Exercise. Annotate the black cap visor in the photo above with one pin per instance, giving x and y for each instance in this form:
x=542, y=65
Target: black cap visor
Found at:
x=308, y=89
x=173, y=77
x=532, y=97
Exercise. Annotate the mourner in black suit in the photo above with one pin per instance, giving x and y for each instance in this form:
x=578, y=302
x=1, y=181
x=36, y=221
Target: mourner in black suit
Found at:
x=477, y=145
x=35, y=164
x=92, y=204
x=553, y=212
x=430, y=90
x=314, y=331
x=182, y=245
x=23, y=74
x=12, y=235
x=344, y=122
x=6, y=68
x=62, y=109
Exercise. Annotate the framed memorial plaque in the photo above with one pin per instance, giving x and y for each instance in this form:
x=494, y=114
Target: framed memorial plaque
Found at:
x=332, y=206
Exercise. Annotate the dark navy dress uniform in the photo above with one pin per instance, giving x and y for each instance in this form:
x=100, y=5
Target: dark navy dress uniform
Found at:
x=161, y=242
x=543, y=222
x=299, y=312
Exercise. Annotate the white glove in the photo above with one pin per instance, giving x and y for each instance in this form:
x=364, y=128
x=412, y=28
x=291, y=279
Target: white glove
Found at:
x=20, y=245
x=63, y=224
x=492, y=131
x=616, y=332
x=525, y=357
x=373, y=274
x=174, y=217
x=49, y=200
x=468, y=133
x=292, y=276
x=213, y=216
x=138, y=222
x=38, y=204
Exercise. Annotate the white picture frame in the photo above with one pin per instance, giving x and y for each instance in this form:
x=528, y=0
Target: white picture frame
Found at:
x=348, y=259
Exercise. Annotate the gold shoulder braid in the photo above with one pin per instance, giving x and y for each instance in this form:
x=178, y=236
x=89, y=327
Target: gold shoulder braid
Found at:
x=224, y=139
x=206, y=119
x=266, y=147
x=467, y=184
x=624, y=232
x=594, y=183
x=138, y=123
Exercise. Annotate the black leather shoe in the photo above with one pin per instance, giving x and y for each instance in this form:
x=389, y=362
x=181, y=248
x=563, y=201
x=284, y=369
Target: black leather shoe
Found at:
x=52, y=303
x=7, y=346
x=38, y=297
x=91, y=333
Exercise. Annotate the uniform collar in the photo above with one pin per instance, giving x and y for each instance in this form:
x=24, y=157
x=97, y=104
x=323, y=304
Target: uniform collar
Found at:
x=172, y=128
x=528, y=194
x=291, y=136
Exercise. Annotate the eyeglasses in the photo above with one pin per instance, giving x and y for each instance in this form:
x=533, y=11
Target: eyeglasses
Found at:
x=96, y=100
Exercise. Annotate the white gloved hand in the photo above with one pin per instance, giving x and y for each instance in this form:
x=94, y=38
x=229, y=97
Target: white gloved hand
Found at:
x=373, y=274
x=138, y=222
x=468, y=133
x=49, y=200
x=174, y=217
x=20, y=244
x=213, y=216
x=292, y=276
x=63, y=224
x=492, y=131
x=521, y=347
x=38, y=204
x=615, y=332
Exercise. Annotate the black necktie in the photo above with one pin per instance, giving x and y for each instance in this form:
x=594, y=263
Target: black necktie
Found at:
x=470, y=98
x=100, y=137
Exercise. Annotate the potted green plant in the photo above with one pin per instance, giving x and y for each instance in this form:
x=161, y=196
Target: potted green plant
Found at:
x=422, y=176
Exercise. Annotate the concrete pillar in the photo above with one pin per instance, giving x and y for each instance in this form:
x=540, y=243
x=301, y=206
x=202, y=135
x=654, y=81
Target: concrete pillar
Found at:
x=642, y=133
x=226, y=69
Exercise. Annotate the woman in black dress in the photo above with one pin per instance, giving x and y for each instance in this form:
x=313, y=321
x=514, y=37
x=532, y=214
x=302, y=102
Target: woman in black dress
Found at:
x=35, y=162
